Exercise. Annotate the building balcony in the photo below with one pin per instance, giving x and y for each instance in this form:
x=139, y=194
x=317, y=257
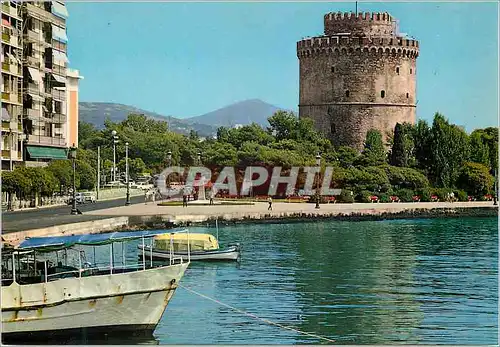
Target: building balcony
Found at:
x=38, y=12
x=11, y=11
x=46, y=140
x=33, y=62
x=33, y=36
x=5, y=37
x=59, y=70
x=32, y=88
x=11, y=67
x=13, y=127
x=7, y=154
x=11, y=97
x=12, y=40
x=59, y=95
x=43, y=15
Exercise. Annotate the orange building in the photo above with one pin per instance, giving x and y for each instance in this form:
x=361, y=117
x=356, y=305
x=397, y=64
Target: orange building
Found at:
x=71, y=126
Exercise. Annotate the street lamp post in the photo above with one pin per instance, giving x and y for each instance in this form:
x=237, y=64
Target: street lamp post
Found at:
x=127, y=201
x=318, y=163
x=115, y=141
x=72, y=153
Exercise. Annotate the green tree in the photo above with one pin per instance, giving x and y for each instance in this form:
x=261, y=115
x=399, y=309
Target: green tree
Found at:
x=422, y=138
x=63, y=172
x=135, y=166
x=374, y=152
x=85, y=175
x=284, y=124
x=402, y=146
x=480, y=151
x=450, y=149
x=223, y=154
x=475, y=178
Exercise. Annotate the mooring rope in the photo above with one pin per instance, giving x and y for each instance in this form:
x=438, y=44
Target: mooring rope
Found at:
x=255, y=316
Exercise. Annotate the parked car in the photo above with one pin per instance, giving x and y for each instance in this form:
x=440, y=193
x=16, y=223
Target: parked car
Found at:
x=145, y=185
x=82, y=198
x=114, y=184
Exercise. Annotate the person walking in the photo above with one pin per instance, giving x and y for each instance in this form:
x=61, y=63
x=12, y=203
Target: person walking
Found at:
x=270, y=201
x=212, y=195
x=184, y=198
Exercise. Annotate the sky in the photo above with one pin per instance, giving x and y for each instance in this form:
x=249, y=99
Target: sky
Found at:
x=185, y=59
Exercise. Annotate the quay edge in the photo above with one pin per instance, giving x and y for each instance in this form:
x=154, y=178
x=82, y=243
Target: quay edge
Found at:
x=158, y=221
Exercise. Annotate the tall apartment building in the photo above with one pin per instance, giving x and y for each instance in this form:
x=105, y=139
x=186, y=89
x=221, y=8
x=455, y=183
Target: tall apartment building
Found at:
x=12, y=85
x=40, y=117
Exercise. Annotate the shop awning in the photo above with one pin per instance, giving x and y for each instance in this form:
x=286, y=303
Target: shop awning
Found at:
x=59, y=34
x=59, y=9
x=59, y=79
x=35, y=97
x=59, y=56
x=42, y=152
x=5, y=114
x=35, y=75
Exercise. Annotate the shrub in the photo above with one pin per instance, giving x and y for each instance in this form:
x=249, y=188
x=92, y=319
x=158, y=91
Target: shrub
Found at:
x=364, y=196
x=405, y=195
x=461, y=195
x=442, y=193
x=346, y=196
x=425, y=194
x=385, y=198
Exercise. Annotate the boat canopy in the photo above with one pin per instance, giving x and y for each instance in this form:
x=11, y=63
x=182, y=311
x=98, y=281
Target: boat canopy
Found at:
x=197, y=241
x=49, y=244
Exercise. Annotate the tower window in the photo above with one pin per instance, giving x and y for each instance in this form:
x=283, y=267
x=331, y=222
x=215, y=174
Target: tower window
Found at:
x=411, y=71
x=397, y=70
x=407, y=95
x=382, y=94
x=347, y=93
x=332, y=128
x=333, y=69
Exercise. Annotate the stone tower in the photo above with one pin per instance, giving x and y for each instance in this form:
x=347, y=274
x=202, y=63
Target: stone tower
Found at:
x=360, y=75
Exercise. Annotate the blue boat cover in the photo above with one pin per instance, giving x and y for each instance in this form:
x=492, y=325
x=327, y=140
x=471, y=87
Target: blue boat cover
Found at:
x=48, y=244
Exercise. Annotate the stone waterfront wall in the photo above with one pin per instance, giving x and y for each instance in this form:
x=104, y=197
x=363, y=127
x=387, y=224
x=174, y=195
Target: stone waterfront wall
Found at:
x=359, y=76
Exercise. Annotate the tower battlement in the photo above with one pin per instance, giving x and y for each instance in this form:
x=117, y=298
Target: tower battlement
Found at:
x=373, y=16
x=368, y=24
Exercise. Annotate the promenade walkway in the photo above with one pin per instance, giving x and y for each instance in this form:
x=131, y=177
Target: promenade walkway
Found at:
x=240, y=211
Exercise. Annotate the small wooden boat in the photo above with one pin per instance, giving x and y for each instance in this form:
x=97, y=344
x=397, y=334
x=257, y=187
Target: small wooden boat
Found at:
x=201, y=247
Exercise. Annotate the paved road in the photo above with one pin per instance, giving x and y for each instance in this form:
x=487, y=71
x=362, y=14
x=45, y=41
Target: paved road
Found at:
x=45, y=217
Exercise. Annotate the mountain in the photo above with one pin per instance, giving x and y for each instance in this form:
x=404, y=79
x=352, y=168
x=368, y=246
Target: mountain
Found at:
x=243, y=112
x=96, y=112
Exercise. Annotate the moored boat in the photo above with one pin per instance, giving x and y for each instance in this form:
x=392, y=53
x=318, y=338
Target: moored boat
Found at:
x=201, y=247
x=42, y=298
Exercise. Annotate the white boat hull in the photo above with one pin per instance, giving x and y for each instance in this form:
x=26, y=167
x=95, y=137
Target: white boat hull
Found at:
x=232, y=253
x=105, y=303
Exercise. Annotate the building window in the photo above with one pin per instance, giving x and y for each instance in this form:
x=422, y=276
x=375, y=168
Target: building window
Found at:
x=347, y=93
x=382, y=94
x=411, y=71
x=58, y=107
x=397, y=70
x=407, y=95
x=332, y=128
x=333, y=69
